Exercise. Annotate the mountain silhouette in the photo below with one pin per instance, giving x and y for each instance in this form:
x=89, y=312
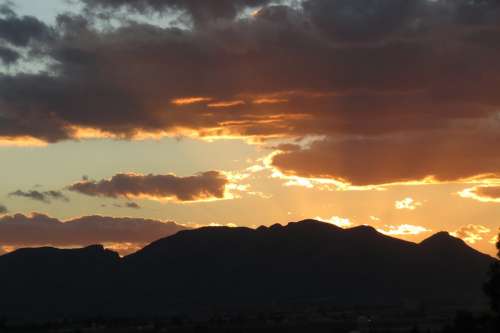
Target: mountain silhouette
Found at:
x=220, y=267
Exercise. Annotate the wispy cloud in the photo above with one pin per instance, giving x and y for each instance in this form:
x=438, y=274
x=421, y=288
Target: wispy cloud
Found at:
x=225, y=104
x=404, y=229
x=132, y=205
x=190, y=100
x=45, y=196
x=471, y=233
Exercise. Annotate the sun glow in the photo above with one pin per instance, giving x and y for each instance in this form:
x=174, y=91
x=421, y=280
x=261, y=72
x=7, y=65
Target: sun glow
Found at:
x=336, y=220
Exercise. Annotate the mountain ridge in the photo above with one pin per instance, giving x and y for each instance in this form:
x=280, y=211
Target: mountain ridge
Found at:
x=227, y=267
x=441, y=235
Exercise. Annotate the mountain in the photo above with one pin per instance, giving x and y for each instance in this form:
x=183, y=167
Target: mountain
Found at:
x=54, y=282
x=218, y=267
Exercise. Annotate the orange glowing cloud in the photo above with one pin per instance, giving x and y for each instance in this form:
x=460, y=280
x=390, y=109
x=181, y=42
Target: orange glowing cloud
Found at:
x=190, y=100
x=22, y=141
x=270, y=101
x=482, y=193
x=226, y=104
x=494, y=240
x=471, y=233
x=326, y=184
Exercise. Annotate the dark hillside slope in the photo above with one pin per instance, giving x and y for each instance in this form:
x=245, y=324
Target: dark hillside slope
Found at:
x=230, y=268
x=306, y=261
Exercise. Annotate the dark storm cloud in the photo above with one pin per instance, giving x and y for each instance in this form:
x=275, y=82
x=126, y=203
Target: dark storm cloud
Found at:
x=201, y=12
x=373, y=69
x=3, y=209
x=45, y=196
x=361, y=20
x=373, y=20
x=8, y=56
x=39, y=230
x=6, y=9
x=203, y=186
x=20, y=31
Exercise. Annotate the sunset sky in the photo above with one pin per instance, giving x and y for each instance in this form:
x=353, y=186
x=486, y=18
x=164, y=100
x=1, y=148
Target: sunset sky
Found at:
x=250, y=112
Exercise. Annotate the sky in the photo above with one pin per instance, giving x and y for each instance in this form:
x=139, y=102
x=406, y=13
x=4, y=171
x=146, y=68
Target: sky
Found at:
x=248, y=113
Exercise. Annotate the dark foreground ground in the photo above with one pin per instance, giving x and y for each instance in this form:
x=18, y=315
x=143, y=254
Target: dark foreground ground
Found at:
x=310, y=320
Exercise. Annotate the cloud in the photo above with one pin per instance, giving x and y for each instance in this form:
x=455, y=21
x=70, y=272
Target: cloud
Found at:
x=20, y=31
x=45, y=197
x=361, y=20
x=407, y=203
x=200, y=12
x=132, y=205
x=40, y=230
x=483, y=193
x=3, y=209
x=190, y=100
x=225, y=104
x=494, y=240
x=229, y=225
x=336, y=220
x=8, y=56
x=204, y=186
x=402, y=230
x=395, y=159
x=471, y=233
x=407, y=88
x=124, y=248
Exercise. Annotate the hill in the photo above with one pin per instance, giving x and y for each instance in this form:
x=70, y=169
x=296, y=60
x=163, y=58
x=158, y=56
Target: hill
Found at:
x=229, y=268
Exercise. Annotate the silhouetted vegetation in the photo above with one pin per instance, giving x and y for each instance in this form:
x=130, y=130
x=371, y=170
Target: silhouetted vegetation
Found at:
x=492, y=287
x=468, y=322
x=485, y=322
